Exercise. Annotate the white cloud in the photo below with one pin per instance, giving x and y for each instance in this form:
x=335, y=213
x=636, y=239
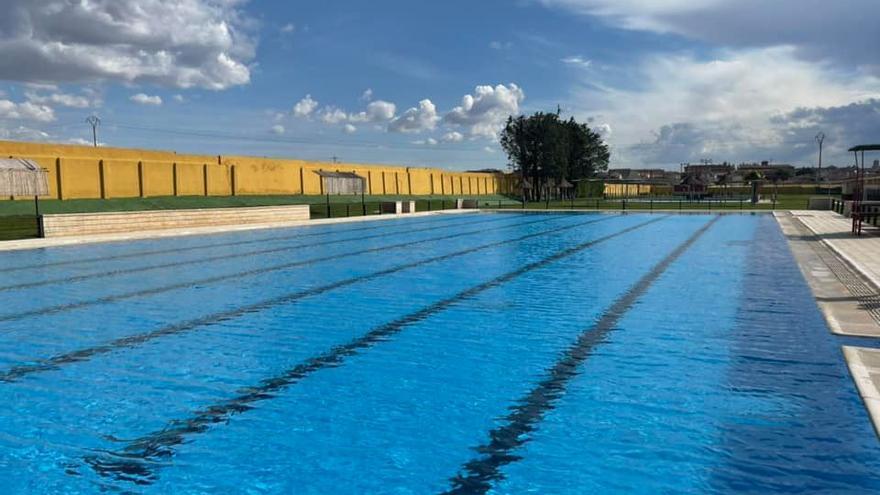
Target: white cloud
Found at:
x=429, y=142
x=349, y=129
x=333, y=115
x=183, y=43
x=498, y=45
x=485, y=112
x=377, y=111
x=22, y=133
x=453, y=137
x=831, y=31
x=26, y=111
x=277, y=129
x=489, y=149
x=179, y=98
x=368, y=95
x=63, y=99
x=414, y=120
x=145, y=99
x=288, y=28
x=84, y=142
x=305, y=107
x=684, y=106
x=577, y=61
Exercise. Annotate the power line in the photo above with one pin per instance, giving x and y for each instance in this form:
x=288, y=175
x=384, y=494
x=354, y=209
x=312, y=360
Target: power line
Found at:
x=266, y=139
x=94, y=121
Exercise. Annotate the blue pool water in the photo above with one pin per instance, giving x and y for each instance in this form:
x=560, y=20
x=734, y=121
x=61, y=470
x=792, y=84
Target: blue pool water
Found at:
x=483, y=353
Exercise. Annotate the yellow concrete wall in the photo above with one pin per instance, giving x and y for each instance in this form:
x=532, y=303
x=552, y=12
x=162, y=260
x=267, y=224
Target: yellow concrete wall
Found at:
x=121, y=179
x=218, y=180
x=636, y=189
x=190, y=179
x=158, y=178
x=80, y=178
x=81, y=174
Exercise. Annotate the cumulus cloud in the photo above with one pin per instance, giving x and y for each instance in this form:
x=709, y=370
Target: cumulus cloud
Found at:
x=367, y=95
x=22, y=133
x=413, y=120
x=288, y=28
x=305, y=107
x=377, y=111
x=484, y=112
x=333, y=115
x=349, y=129
x=26, y=111
x=145, y=99
x=685, y=106
x=429, y=142
x=277, y=129
x=453, y=137
x=63, y=99
x=182, y=43
x=830, y=31
x=179, y=98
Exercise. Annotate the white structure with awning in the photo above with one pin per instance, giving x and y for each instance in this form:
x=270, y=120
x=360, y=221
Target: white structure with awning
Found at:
x=22, y=177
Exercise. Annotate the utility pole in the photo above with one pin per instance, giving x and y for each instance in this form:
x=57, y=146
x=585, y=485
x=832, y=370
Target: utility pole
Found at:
x=819, y=139
x=335, y=159
x=94, y=121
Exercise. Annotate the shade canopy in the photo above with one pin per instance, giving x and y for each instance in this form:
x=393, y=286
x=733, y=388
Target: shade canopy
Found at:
x=866, y=147
x=338, y=175
x=22, y=177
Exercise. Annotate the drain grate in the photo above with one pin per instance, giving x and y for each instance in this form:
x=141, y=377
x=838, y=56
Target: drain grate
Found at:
x=867, y=297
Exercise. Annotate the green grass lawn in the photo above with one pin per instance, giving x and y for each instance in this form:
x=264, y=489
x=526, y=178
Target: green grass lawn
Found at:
x=17, y=217
x=788, y=202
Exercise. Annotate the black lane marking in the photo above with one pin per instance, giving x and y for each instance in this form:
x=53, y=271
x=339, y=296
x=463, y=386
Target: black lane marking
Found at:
x=136, y=461
x=249, y=273
x=17, y=372
x=227, y=244
x=478, y=475
x=127, y=271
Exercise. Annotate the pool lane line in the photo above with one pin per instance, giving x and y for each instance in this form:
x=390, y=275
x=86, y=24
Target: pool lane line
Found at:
x=289, y=247
x=134, y=462
x=478, y=475
x=42, y=365
x=237, y=275
x=384, y=224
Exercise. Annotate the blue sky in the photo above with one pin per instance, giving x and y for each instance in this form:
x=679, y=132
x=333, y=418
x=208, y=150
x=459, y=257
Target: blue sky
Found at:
x=430, y=83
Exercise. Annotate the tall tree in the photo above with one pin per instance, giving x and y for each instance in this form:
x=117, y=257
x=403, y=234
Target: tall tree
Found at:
x=543, y=146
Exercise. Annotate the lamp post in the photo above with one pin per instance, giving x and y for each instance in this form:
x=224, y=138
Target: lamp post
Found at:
x=819, y=139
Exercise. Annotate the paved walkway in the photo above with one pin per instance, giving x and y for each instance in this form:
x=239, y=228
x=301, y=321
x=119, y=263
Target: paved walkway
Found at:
x=863, y=253
x=850, y=305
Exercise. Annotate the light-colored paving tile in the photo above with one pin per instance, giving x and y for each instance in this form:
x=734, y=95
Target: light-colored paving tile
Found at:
x=863, y=253
x=864, y=365
x=846, y=310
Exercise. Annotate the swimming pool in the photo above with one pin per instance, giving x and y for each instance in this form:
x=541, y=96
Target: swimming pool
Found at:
x=478, y=353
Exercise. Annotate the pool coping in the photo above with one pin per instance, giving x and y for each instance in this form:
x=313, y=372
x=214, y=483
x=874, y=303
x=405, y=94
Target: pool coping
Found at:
x=841, y=311
x=25, y=244
x=864, y=374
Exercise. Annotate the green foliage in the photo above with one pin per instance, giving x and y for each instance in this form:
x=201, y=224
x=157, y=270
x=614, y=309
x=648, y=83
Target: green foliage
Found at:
x=543, y=146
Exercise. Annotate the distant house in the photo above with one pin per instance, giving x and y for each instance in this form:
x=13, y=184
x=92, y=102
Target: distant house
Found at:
x=692, y=186
x=709, y=172
x=765, y=169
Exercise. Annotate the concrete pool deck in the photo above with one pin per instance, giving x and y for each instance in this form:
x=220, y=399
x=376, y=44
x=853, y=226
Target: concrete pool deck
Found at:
x=843, y=272
x=216, y=229
x=840, y=282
